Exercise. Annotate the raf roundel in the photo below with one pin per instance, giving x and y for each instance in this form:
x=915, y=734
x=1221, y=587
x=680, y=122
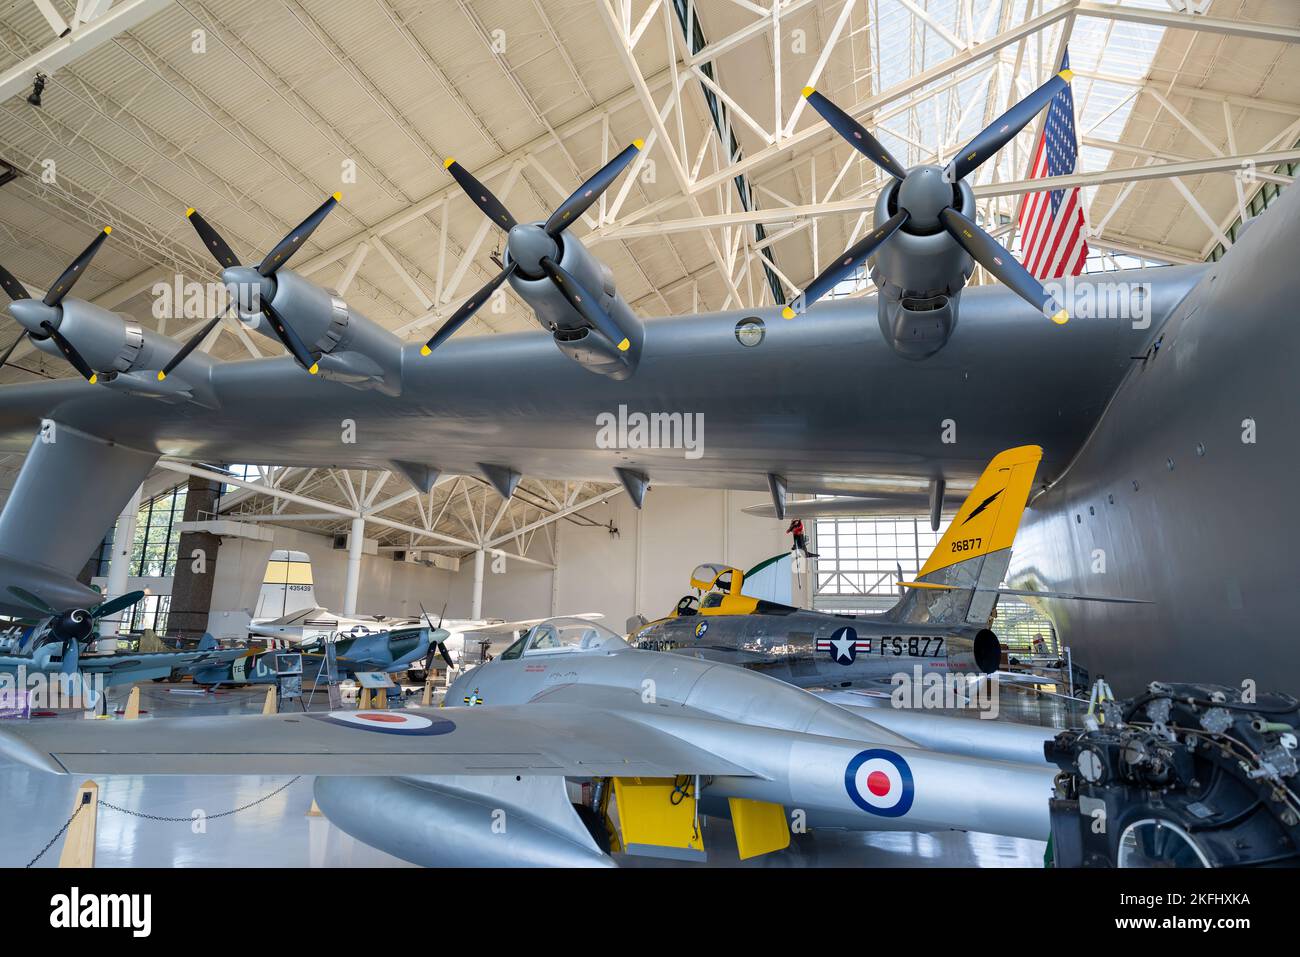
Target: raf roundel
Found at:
x=880, y=782
x=388, y=722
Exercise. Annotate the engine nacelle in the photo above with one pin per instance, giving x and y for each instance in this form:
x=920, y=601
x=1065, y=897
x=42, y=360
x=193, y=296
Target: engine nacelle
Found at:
x=920, y=274
x=352, y=349
x=572, y=335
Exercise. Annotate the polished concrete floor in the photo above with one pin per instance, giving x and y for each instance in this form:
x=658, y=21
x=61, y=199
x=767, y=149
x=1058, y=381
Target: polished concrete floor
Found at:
x=278, y=832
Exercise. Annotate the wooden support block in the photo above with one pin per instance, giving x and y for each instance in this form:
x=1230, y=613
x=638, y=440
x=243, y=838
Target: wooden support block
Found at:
x=271, y=705
x=381, y=703
x=314, y=810
x=79, y=842
x=426, y=700
x=132, y=710
x=363, y=704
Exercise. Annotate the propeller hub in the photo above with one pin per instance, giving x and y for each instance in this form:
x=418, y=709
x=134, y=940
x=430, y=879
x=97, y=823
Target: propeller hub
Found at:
x=925, y=194
x=248, y=288
x=528, y=244
x=30, y=313
x=74, y=625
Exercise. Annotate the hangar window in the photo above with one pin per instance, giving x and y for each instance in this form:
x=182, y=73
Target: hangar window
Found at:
x=861, y=560
x=153, y=554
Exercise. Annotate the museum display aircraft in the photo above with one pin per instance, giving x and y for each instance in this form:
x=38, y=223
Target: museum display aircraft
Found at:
x=667, y=739
x=392, y=651
x=1165, y=430
x=943, y=623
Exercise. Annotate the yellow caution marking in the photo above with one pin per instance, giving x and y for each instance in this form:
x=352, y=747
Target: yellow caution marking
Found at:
x=1061, y=317
x=161, y=375
x=338, y=197
x=1066, y=75
x=447, y=163
x=108, y=230
x=639, y=144
x=808, y=91
x=315, y=367
x=624, y=345
x=425, y=350
x=93, y=378
x=787, y=313
x=189, y=212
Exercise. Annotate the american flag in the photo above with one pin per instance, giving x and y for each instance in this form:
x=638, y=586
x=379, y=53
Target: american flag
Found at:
x=1051, y=223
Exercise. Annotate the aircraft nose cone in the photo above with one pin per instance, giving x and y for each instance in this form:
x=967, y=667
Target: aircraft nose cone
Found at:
x=924, y=194
x=247, y=287
x=31, y=312
x=527, y=243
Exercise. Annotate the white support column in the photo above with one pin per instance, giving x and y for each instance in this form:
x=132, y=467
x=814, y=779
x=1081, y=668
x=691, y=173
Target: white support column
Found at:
x=119, y=566
x=476, y=602
x=356, y=537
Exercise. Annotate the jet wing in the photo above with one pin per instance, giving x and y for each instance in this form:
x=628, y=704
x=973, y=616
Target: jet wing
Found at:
x=112, y=664
x=538, y=738
x=501, y=626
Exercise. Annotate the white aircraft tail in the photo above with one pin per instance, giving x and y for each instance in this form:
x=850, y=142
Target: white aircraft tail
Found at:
x=287, y=586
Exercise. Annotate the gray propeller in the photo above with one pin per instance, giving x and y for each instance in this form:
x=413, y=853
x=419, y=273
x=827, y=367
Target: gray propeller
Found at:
x=534, y=249
x=925, y=197
x=41, y=319
x=239, y=276
x=441, y=646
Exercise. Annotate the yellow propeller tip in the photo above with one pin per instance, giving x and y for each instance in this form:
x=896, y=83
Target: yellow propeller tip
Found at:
x=624, y=345
x=189, y=212
x=338, y=197
x=108, y=230
x=93, y=379
x=1061, y=317
x=315, y=367
x=447, y=163
x=639, y=144
x=787, y=313
x=161, y=375
x=1066, y=75
x=425, y=350
x=808, y=91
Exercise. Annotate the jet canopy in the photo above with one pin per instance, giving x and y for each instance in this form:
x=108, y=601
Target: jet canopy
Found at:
x=570, y=636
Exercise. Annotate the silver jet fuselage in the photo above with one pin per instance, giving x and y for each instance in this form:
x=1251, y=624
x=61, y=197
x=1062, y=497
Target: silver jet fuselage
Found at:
x=813, y=649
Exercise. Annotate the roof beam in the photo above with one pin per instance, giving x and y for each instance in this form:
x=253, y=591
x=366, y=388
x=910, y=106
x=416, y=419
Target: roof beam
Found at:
x=1187, y=21
x=66, y=49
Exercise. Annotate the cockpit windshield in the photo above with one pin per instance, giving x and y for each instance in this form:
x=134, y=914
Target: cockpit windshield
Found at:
x=569, y=635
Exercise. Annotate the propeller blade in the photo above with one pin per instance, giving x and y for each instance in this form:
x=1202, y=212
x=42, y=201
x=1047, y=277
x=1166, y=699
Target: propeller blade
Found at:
x=33, y=601
x=846, y=265
x=853, y=131
x=990, y=254
x=10, y=351
x=467, y=309
x=289, y=338
x=114, y=605
x=584, y=303
x=70, y=353
x=291, y=243
x=212, y=239
x=442, y=650
x=427, y=620
x=186, y=349
x=586, y=194
x=481, y=195
x=70, y=275
x=12, y=287
x=1002, y=130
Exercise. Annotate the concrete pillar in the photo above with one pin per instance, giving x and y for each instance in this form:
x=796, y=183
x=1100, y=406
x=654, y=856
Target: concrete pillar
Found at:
x=356, y=538
x=119, y=565
x=476, y=602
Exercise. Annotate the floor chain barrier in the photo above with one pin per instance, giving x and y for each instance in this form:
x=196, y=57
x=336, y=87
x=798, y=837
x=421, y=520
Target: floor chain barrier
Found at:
x=161, y=817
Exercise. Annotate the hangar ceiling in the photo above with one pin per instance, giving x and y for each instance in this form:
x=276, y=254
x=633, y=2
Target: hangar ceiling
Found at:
x=254, y=110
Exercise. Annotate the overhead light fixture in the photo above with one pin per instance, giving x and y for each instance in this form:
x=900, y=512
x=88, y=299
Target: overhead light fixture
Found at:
x=7, y=172
x=38, y=87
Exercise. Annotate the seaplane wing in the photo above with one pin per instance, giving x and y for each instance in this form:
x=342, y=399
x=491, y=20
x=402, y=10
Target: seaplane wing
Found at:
x=533, y=739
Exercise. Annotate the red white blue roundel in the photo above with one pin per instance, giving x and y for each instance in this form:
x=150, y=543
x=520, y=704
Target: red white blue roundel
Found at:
x=880, y=782
x=388, y=722
x=700, y=629
x=843, y=645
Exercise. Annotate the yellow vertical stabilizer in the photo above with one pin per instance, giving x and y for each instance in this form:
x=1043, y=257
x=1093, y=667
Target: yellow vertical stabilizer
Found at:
x=987, y=521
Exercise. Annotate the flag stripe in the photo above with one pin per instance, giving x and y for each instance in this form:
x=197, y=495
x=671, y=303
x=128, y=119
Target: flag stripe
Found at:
x=1052, y=224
